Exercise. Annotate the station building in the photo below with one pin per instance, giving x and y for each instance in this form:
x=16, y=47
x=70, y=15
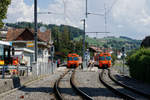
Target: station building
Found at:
x=23, y=42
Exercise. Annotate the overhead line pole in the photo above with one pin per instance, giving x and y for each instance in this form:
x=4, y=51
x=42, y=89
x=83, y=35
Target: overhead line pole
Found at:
x=84, y=44
x=86, y=9
x=86, y=15
x=106, y=26
x=35, y=30
x=105, y=18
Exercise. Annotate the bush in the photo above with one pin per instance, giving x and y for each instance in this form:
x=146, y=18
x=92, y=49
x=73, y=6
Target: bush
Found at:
x=114, y=57
x=139, y=64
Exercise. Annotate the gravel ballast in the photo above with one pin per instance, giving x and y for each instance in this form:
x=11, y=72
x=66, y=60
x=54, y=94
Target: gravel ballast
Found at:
x=88, y=81
x=38, y=90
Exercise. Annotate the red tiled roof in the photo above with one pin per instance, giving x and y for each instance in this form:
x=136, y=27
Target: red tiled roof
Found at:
x=95, y=48
x=12, y=34
x=44, y=36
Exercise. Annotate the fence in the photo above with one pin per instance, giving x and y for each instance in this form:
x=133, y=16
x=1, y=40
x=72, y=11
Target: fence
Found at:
x=14, y=70
x=43, y=68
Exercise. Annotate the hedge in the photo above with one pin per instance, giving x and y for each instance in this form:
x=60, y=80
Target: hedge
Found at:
x=139, y=65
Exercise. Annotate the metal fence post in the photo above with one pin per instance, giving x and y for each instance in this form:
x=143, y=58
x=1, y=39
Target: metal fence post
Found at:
x=52, y=67
x=3, y=72
x=27, y=70
x=34, y=68
x=18, y=71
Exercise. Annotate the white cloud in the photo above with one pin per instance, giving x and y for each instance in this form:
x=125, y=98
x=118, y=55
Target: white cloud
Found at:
x=127, y=17
x=74, y=11
x=134, y=15
x=70, y=15
x=19, y=11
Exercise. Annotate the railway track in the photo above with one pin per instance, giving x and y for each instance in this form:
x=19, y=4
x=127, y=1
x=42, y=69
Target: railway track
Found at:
x=120, y=89
x=60, y=95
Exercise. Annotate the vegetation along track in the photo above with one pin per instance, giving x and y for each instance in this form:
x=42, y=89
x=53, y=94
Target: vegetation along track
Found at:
x=124, y=92
x=128, y=87
x=58, y=93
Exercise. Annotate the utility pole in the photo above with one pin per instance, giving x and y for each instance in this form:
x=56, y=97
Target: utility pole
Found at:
x=96, y=44
x=83, y=49
x=106, y=26
x=35, y=31
x=105, y=18
x=84, y=44
x=86, y=9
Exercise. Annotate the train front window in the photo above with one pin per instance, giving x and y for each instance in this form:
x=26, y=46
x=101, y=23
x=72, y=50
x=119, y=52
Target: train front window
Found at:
x=108, y=58
x=101, y=58
x=69, y=58
x=75, y=58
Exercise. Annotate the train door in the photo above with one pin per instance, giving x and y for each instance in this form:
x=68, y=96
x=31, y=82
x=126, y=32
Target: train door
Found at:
x=2, y=55
x=7, y=56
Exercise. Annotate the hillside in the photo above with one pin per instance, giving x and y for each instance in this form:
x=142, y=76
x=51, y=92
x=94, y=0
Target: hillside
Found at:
x=74, y=32
x=114, y=42
x=65, y=35
x=62, y=37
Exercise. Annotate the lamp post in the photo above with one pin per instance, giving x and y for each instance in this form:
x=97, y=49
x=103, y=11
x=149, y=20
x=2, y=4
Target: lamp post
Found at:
x=35, y=31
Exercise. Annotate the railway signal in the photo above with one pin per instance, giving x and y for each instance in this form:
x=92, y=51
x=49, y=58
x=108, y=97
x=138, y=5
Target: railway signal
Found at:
x=123, y=49
x=123, y=55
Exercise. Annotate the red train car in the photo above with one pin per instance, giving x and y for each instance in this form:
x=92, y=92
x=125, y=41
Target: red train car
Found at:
x=73, y=60
x=104, y=60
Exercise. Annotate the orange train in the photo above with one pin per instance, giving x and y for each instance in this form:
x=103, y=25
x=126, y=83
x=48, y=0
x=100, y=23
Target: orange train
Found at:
x=73, y=60
x=104, y=60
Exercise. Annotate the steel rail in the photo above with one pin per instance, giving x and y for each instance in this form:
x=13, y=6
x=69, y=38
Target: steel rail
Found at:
x=128, y=87
x=56, y=89
x=80, y=92
x=122, y=95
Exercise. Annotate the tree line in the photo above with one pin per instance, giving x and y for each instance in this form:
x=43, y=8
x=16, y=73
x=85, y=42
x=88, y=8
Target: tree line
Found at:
x=62, y=36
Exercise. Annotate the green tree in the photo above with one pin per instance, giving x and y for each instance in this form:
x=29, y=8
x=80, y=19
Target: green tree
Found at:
x=3, y=10
x=56, y=37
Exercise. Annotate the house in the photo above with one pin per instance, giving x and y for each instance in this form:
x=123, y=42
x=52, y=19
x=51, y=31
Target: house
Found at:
x=3, y=33
x=24, y=55
x=24, y=38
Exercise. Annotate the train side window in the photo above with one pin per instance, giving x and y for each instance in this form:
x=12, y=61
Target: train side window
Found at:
x=101, y=58
x=108, y=58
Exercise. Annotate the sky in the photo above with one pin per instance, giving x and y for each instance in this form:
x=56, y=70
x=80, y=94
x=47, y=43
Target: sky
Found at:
x=123, y=17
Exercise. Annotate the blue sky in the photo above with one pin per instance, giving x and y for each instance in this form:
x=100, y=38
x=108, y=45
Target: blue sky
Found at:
x=41, y=3
x=124, y=17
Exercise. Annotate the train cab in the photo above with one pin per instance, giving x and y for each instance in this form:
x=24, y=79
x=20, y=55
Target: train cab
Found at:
x=72, y=60
x=104, y=60
x=6, y=52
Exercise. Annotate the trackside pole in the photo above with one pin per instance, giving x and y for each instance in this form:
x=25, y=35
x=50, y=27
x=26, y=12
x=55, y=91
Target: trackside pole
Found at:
x=3, y=72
